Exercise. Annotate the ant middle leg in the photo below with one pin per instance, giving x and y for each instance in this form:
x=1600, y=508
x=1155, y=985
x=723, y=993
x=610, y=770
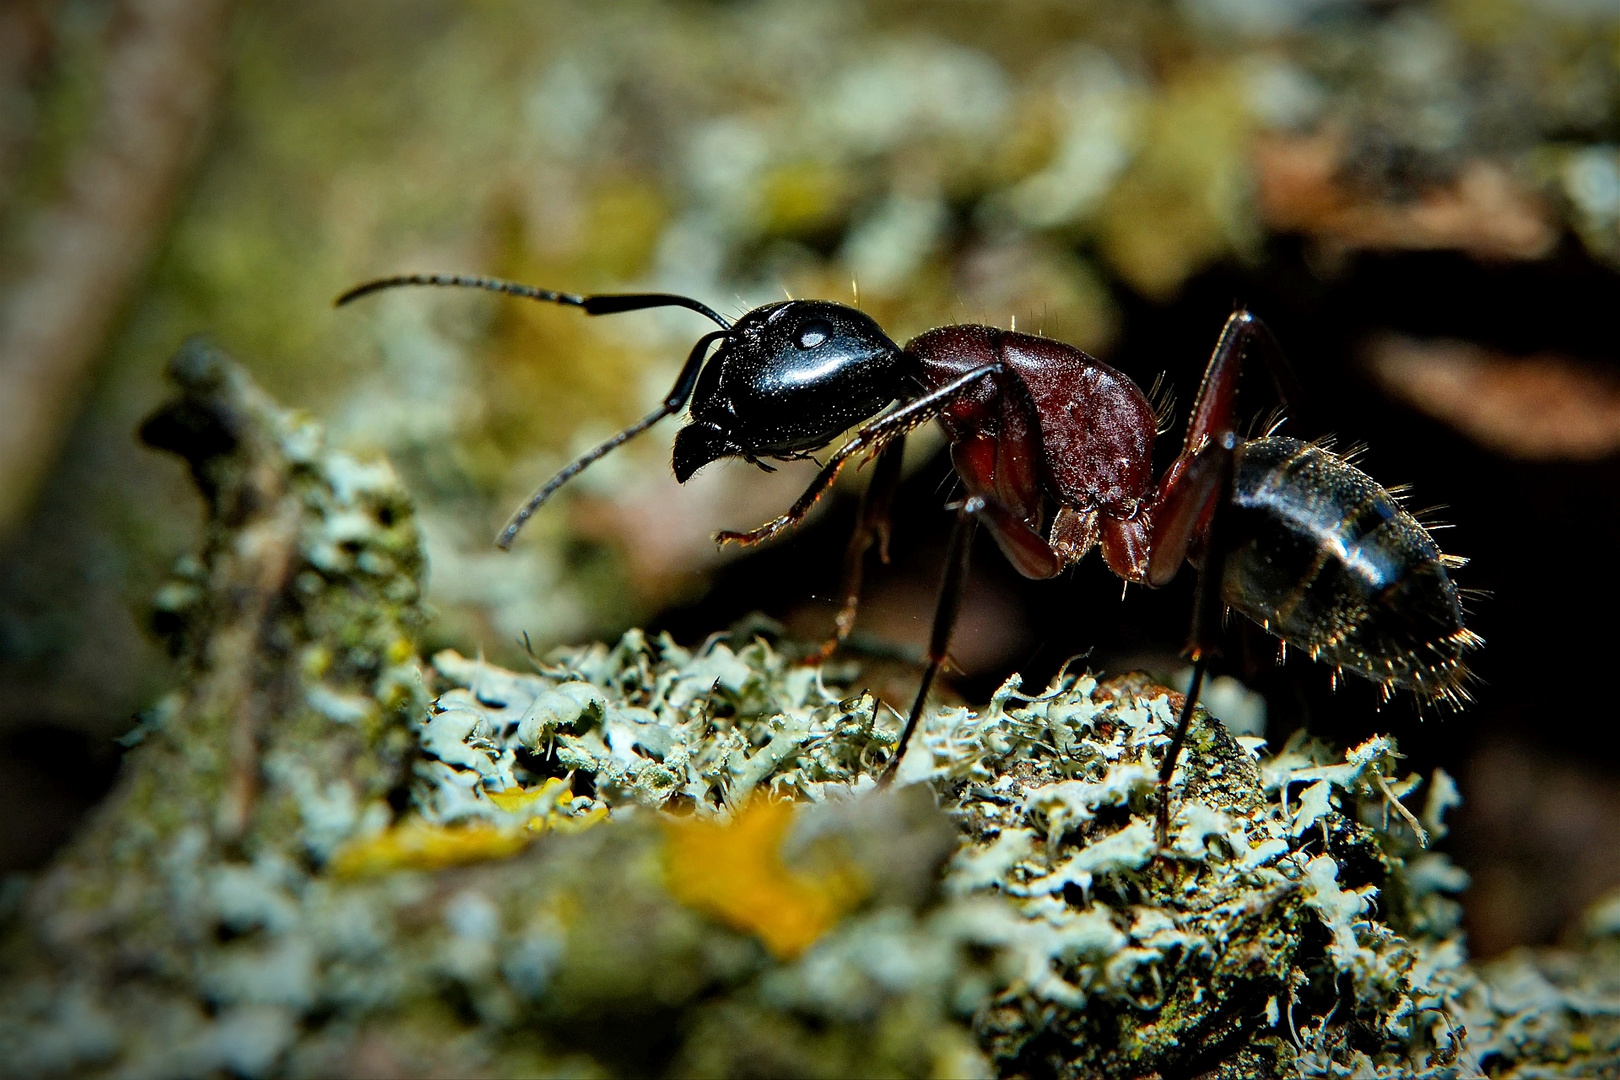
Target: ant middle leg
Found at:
x=946, y=609
x=1035, y=558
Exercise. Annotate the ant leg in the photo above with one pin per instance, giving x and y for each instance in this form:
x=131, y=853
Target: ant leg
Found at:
x=674, y=402
x=1029, y=552
x=1206, y=484
x=945, y=612
x=1217, y=393
x=1188, y=496
x=603, y=304
x=869, y=439
x=871, y=523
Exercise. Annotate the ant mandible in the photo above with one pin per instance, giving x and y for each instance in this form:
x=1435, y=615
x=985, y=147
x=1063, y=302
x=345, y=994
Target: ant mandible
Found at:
x=1286, y=532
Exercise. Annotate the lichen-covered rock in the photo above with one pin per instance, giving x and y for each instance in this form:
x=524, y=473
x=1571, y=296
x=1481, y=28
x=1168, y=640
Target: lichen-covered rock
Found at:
x=1293, y=921
x=296, y=632
x=1547, y=1012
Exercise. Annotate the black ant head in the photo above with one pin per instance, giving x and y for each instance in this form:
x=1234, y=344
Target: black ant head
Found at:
x=788, y=379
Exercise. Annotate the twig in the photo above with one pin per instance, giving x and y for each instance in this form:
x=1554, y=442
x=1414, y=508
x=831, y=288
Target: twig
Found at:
x=83, y=252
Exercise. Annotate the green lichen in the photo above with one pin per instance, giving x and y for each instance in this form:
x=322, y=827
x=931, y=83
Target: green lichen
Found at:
x=295, y=630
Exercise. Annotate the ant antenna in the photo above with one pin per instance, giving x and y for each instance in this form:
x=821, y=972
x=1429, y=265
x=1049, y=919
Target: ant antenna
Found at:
x=600, y=304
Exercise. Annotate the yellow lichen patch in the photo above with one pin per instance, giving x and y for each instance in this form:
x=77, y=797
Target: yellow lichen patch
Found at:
x=536, y=799
x=567, y=825
x=416, y=845
x=539, y=807
x=734, y=871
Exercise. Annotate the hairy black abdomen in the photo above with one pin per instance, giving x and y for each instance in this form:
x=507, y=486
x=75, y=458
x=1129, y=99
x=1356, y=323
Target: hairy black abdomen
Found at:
x=1324, y=558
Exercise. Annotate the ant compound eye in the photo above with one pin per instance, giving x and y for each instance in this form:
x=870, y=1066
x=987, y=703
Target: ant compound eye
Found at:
x=813, y=334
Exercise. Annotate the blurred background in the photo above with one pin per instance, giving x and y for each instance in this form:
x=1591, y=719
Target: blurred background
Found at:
x=1422, y=199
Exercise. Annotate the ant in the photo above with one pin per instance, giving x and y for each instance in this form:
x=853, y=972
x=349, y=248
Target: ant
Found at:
x=1286, y=532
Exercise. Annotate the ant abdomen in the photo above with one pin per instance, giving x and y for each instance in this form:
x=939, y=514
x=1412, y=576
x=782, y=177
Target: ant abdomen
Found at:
x=1323, y=557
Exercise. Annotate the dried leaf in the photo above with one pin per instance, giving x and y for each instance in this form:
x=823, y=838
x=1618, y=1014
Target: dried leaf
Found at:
x=1540, y=408
x=1484, y=212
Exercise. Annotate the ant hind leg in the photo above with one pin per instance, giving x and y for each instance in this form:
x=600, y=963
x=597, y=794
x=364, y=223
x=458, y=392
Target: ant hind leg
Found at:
x=1211, y=474
x=1212, y=410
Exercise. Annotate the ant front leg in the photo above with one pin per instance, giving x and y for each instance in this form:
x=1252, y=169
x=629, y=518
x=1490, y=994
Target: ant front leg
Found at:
x=1200, y=492
x=871, y=523
x=868, y=440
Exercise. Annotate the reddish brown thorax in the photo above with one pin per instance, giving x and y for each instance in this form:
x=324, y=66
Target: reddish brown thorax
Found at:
x=1054, y=422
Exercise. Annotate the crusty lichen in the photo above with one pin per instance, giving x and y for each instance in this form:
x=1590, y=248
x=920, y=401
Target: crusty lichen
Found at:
x=1248, y=944
x=643, y=859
